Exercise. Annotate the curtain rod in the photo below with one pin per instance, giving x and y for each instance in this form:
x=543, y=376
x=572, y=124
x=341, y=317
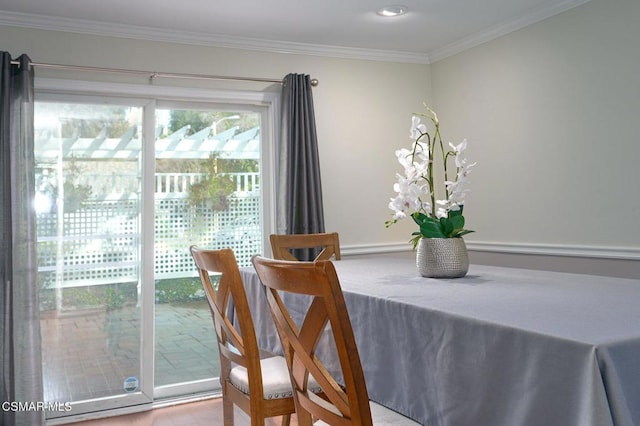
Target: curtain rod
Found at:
x=153, y=74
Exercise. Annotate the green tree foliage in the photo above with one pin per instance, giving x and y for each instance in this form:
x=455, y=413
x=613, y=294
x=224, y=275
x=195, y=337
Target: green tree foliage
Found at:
x=198, y=120
x=215, y=188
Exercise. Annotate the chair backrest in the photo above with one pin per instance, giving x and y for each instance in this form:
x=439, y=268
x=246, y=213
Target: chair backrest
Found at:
x=225, y=293
x=282, y=244
x=346, y=403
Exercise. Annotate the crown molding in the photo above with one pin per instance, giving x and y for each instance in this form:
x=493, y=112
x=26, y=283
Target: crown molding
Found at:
x=52, y=23
x=500, y=30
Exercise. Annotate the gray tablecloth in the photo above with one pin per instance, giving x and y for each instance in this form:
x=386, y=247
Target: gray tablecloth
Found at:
x=501, y=346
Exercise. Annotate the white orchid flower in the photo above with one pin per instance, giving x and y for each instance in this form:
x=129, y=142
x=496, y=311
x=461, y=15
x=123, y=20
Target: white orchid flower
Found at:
x=460, y=148
x=404, y=158
x=442, y=212
x=421, y=153
x=457, y=199
x=417, y=128
x=408, y=188
x=399, y=215
x=403, y=205
x=416, y=188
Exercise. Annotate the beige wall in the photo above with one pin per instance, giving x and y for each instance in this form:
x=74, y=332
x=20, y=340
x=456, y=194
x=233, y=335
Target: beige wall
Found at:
x=551, y=113
x=363, y=109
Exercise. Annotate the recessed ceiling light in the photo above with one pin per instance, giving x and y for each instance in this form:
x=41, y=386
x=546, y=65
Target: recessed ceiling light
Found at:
x=391, y=11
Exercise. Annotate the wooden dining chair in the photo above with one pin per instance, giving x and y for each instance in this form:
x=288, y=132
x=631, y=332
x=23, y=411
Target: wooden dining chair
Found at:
x=343, y=403
x=257, y=383
x=283, y=244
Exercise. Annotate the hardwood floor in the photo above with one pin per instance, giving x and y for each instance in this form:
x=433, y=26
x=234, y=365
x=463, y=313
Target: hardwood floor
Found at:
x=207, y=412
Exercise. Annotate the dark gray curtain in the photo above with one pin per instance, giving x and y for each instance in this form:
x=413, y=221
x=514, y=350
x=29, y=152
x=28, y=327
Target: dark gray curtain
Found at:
x=20, y=329
x=300, y=191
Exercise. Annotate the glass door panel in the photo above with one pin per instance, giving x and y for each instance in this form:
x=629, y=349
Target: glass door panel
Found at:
x=88, y=204
x=207, y=192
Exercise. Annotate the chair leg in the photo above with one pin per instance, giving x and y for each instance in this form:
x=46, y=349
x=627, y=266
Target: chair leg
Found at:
x=304, y=418
x=227, y=411
x=286, y=420
x=227, y=403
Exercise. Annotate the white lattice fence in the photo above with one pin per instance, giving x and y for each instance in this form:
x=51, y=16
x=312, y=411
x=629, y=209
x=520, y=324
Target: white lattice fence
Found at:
x=179, y=225
x=99, y=243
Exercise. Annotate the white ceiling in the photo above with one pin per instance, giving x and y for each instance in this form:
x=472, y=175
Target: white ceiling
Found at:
x=432, y=29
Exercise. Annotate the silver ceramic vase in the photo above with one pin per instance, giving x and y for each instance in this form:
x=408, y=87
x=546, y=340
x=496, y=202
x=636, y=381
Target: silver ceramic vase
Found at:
x=442, y=257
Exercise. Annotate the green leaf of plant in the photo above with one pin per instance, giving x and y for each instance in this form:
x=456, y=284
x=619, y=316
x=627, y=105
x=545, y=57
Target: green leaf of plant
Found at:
x=458, y=212
x=457, y=221
x=447, y=226
x=419, y=218
x=431, y=229
x=461, y=232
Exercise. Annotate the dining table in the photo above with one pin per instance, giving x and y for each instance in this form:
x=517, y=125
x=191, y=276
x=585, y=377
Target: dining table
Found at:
x=499, y=347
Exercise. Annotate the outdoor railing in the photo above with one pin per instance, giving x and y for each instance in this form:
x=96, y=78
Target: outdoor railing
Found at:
x=174, y=184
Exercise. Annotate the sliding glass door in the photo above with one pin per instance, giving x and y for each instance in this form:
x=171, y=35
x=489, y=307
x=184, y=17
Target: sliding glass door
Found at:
x=124, y=187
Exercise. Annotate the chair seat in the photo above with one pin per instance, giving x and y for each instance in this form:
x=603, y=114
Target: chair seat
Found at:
x=275, y=379
x=382, y=416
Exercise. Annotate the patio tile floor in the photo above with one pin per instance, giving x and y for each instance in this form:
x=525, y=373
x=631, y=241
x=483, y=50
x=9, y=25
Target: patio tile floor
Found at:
x=89, y=354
